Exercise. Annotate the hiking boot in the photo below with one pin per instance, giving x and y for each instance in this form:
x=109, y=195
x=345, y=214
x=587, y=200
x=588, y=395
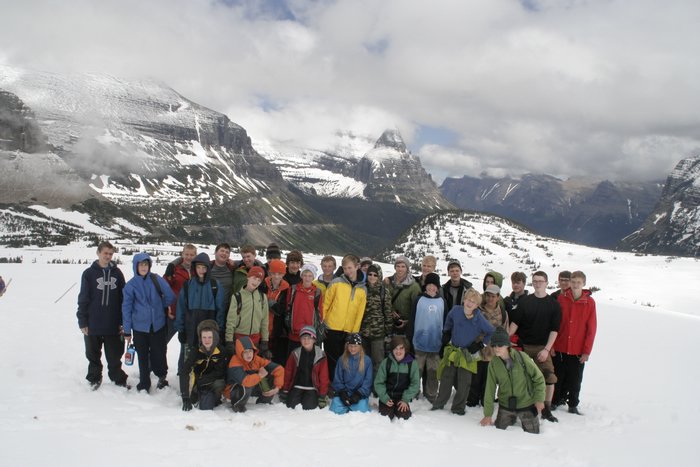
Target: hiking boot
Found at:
x=547, y=415
x=574, y=410
x=459, y=412
x=123, y=384
x=162, y=382
x=94, y=385
x=435, y=407
x=142, y=387
x=239, y=409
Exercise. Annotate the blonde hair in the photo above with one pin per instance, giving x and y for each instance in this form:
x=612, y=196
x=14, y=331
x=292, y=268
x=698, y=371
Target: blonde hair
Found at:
x=472, y=294
x=346, y=358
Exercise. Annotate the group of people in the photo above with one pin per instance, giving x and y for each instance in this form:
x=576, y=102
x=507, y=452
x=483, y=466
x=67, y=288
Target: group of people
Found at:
x=336, y=337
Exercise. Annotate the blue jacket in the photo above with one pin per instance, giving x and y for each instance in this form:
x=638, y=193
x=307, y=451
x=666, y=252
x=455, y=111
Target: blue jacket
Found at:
x=100, y=300
x=199, y=303
x=465, y=331
x=350, y=379
x=143, y=307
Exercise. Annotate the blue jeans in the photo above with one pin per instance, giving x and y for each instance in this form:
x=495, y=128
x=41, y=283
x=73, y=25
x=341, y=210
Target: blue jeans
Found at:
x=338, y=407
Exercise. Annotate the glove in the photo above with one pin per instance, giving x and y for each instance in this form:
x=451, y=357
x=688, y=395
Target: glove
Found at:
x=230, y=348
x=186, y=404
x=355, y=398
x=267, y=354
x=262, y=347
x=322, y=402
x=475, y=347
x=182, y=337
x=283, y=396
x=345, y=398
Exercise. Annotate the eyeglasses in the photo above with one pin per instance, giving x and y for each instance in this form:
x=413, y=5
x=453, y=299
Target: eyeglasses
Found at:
x=373, y=274
x=564, y=280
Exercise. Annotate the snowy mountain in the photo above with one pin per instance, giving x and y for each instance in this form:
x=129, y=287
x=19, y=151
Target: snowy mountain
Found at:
x=592, y=212
x=355, y=166
x=184, y=171
x=674, y=225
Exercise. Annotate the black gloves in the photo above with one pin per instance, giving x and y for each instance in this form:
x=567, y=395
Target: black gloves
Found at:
x=262, y=347
x=322, y=402
x=182, y=337
x=230, y=348
x=475, y=347
x=345, y=398
x=186, y=404
x=355, y=398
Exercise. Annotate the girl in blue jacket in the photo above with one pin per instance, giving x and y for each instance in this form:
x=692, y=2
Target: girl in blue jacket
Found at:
x=353, y=378
x=146, y=296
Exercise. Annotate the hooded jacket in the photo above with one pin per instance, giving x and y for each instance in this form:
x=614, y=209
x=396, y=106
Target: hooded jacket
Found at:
x=401, y=381
x=100, y=299
x=578, y=324
x=246, y=373
x=202, y=368
x=524, y=381
x=344, y=304
x=319, y=371
x=197, y=302
x=377, y=321
x=142, y=309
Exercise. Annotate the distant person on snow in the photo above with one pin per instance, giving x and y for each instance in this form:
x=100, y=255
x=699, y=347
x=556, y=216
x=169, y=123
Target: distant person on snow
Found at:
x=100, y=316
x=146, y=296
x=2, y=287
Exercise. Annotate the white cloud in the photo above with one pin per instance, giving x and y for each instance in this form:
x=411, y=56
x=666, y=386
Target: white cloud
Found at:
x=604, y=87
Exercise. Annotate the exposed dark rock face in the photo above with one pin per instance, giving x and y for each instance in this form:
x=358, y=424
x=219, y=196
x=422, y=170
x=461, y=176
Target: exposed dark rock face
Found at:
x=588, y=212
x=673, y=228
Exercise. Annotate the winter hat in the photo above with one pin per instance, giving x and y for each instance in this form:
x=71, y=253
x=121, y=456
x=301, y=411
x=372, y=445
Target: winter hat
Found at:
x=374, y=268
x=309, y=267
x=209, y=325
x=308, y=330
x=365, y=260
x=432, y=278
x=277, y=265
x=273, y=252
x=201, y=258
x=493, y=288
x=256, y=271
x=500, y=338
x=404, y=260
x=354, y=338
x=295, y=255
x=454, y=262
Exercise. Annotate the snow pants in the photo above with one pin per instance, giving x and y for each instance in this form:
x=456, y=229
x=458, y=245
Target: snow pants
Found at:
x=114, y=348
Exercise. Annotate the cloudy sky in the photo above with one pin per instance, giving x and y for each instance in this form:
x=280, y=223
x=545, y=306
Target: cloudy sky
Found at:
x=606, y=88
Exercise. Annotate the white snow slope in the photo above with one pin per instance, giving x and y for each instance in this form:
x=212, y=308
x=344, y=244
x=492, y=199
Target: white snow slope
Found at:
x=638, y=396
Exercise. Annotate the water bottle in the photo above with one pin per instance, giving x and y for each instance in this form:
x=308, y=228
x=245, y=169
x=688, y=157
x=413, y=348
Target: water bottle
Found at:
x=129, y=355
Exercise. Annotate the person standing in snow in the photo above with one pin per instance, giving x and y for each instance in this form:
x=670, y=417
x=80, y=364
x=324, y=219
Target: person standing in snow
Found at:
x=100, y=316
x=241, y=268
x=176, y=274
x=404, y=290
x=453, y=290
x=574, y=341
x=537, y=320
x=564, y=283
x=146, y=296
x=377, y=321
x=2, y=287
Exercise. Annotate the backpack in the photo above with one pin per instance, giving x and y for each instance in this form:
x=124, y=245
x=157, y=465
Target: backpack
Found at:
x=239, y=304
x=318, y=324
x=160, y=292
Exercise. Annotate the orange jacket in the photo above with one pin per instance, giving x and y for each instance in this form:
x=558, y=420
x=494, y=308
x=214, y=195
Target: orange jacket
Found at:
x=246, y=373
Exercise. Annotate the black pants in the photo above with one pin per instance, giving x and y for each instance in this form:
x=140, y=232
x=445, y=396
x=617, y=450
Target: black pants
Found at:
x=114, y=348
x=308, y=398
x=569, y=371
x=150, y=349
x=240, y=394
x=478, y=386
x=393, y=411
x=334, y=345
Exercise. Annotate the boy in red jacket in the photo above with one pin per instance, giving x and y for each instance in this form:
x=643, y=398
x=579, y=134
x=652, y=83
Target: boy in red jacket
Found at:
x=574, y=341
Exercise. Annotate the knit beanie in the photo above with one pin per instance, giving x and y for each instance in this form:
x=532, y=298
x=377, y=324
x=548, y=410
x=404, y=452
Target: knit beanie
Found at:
x=273, y=252
x=500, y=338
x=432, y=278
x=404, y=260
x=277, y=266
x=309, y=267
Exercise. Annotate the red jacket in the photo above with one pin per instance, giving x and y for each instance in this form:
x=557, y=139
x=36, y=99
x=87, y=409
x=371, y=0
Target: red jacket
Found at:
x=176, y=275
x=319, y=372
x=303, y=309
x=277, y=301
x=578, y=324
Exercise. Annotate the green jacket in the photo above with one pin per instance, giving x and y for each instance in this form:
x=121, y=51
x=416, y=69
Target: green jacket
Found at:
x=254, y=316
x=403, y=295
x=524, y=381
x=400, y=368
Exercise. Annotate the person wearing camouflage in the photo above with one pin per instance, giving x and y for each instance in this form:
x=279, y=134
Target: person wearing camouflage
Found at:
x=377, y=321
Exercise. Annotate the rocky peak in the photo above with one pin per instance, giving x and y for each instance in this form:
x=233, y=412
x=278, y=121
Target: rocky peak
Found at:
x=391, y=138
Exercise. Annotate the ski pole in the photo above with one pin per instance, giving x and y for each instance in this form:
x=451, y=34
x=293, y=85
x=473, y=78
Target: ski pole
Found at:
x=64, y=293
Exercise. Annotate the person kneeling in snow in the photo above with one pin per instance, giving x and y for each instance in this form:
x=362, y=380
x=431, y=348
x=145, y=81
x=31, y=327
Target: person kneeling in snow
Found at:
x=521, y=387
x=249, y=374
x=398, y=381
x=353, y=378
x=306, y=373
x=203, y=373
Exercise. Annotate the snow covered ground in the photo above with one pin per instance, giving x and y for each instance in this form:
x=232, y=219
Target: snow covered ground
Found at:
x=638, y=394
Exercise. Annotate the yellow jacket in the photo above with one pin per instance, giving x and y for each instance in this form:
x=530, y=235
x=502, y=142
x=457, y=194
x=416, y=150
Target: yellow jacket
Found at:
x=344, y=305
